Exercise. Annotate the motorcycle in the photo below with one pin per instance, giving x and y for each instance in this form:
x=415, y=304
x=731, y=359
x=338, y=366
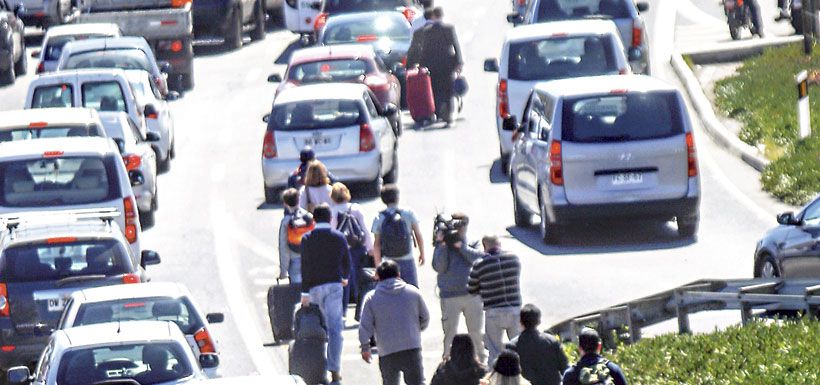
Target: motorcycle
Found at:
x=794, y=14
x=739, y=16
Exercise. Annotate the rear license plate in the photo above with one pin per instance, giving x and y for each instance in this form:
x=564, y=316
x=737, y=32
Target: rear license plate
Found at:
x=627, y=178
x=315, y=141
x=56, y=304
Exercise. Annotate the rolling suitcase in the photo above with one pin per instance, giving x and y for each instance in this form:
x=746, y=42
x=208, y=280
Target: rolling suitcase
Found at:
x=306, y=354
x=282, y=299
x=420, y=95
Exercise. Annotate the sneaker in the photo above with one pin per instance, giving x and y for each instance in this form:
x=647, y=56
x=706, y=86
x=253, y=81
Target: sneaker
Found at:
x=335, y=377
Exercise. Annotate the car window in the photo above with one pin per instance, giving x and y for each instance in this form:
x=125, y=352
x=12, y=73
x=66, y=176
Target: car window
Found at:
x=346, y=6
x=371, y=107
x=53, y=96
x=44, y=364
x=55, y=45
x=626, y=117
x=60, y=258
x=127, y=59
x=104, y=96
x=135, y=131
x=177, y=310
x=552, y=10
x=811, y=216
x=147, y=363
x=326, y=71
x=563, y=57
x=373, y=30
x=59, y=181
x=525, y=113
x=315, y=114
x=56, y=131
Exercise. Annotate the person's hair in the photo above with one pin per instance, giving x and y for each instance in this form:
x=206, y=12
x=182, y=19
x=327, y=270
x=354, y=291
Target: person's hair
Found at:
x=316, y=174
x=462, y=352
x=322, y=213
x=490, y=242
x=390, y=194
x=426, y=3
x=438, y=12
x=290, y=197
x=506, y=380
x=340, y=193
x=388, y=269
x=508, y=364
x=589, y=340
x=530, y=316
x=428, y=13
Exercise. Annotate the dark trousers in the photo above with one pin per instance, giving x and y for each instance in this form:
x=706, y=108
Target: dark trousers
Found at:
x=407, y=362
x=352, y=288
x=757, y=20
x=442, y=82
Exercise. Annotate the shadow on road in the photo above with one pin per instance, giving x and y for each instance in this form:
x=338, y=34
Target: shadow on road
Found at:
x=284, y=57
x=497, y=174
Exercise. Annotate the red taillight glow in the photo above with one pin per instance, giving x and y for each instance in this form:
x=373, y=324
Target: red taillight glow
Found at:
x=59, y=240
x=367, y=142
x=503, y=100
x=134, y=305
x=130, y=207
x=204, y=342
x=179, y=3
x=130, y=278
x=560, y=34
x=320, y=21
x=691, y=155
x=269, y=146
x=176, y=46
x=37, y=125
x=556, y=164
x=619, y=92
x=409, y=14
x=366, y=38
x=637, y=33
x=52, y=154
x=8, y=348
x=41, y=68
x=132, y=162
x=404, y=61
x=4, y=301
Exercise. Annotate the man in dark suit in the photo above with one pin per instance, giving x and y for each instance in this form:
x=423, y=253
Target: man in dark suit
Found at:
x=441, y=54
x=325, y=266
x=543, y=361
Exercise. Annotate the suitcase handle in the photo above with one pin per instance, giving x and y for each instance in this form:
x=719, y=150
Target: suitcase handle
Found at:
x=279, y=279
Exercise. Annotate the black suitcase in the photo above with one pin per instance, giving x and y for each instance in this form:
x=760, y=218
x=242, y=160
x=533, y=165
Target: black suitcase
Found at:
x=306, y=354
x=282, y=300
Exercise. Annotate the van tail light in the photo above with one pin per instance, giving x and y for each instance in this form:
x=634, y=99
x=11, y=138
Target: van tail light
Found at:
x=132, y=162
x=130, y=278
x=503, y=100
x=8, y=348
x=5, y=306
x=637, y=33
x=179, y=3
x=129, y=204
x=522, y=3
x=691, y=155
x=41, y=67
x=176, y=46
x=409, y=14
x=320, y=22
x=367, y=142
x=556, y=164
x=204, y=342
x=269, y=146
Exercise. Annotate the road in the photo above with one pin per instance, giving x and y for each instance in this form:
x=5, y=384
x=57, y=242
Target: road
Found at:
x=216, y=235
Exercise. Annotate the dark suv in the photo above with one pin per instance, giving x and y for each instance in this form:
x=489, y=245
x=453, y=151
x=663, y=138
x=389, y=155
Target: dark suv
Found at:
x=228, y=19
x=792, y=249
x=13, y=57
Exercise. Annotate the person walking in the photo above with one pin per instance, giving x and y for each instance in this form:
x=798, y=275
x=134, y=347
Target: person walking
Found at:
x=462, y=367
x=452, y=260
x=296, y=222
x=317, y=187
x=348, y=218
x=543, y=360
x=506, y=370
x=441, y=54
x=496, y=278
x=325, y=268
x=395, y=233
x=592, y=368
x=297, y=178
x=395, y=313
x=416, y=41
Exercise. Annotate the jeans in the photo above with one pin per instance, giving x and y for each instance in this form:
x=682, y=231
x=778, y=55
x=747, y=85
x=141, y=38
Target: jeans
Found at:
x=295, y=269
x=329, y=299
x=497, y=321
x=407, y=268
x=472, y=308
x=352, y=288
x=757, y=19
x=407, y=362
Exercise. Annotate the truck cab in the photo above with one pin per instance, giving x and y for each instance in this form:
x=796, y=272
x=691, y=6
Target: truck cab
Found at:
x=228, y=20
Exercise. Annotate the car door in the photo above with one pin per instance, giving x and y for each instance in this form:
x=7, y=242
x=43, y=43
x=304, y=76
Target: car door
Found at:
x=527, y=174
x=801, y=248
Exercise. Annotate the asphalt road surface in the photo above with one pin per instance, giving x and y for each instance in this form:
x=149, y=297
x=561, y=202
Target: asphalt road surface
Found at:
x=216, y=235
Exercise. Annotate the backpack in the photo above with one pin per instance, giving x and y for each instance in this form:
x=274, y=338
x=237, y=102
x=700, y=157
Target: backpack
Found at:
x=309, y=324
x=395, y=234
x=348, y=225
x=597, y=374
x=300, y=223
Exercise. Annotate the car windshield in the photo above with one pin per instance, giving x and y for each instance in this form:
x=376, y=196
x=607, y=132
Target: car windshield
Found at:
x=326, y=71
x=53, y=96
x=60, y=258
x=127, y=59
x=315, y=114
x=349, y=6
x=55, y=131
x=379, y=30
x=177, y=310
x=104, y=96
x=617, y=118
x=146, y=363
x=565, y=57
x=54, y=47
x=552, y=10
x=58, y=181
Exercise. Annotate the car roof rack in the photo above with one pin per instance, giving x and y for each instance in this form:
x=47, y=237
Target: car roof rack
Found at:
x=12, y=221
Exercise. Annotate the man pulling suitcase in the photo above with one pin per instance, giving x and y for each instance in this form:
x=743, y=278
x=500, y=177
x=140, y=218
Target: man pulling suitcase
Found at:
x=441, y=55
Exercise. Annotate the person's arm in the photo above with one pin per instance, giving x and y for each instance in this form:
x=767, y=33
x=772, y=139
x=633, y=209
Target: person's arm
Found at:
x=617, y=374
x=377, y=249
x=456, y=48
x=368, y=237
x=303, y=199
x=441, y=259
x=424, y=314
x=419, y=242
x=366, y=328
x=284, y=250
x=470, y=253
x=561, y=356
x=345, y=260
x=474, y=283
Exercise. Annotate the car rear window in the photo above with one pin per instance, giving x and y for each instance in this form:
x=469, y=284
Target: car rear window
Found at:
x=347, y=6
x=372, y=30
x=618, y=118
x=552, y=10
x=53, y=96
x=104, y=96
x=58, y=181
x=60, y=258
x=54, y=47
x=56, y=131
x=315, y=114
x=127, y=59
x=562, y=57
x=177, y=310
x=147, y=363
x=330, y=71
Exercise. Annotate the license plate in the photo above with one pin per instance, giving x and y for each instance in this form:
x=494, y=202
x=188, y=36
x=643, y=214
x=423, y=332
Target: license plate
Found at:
x=627, y=178
x=56, y=304
x=317, y=141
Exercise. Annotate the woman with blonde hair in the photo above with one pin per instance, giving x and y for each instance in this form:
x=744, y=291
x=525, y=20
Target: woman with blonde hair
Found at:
x=349, y=219
x=317, y=187
x=506, y=371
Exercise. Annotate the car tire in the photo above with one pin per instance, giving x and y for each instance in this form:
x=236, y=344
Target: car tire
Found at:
x=21, y=65
x=272, y=195
x=258, y=32
x=399, y=129
x=374, y=187
x=393, y=175
x=233, y=36
x=163, y=166
x=522, y=217
x=687, y=227
x=147, y=219
x=505, y=162
x=549, y=232
x=766, y=267
x=7, y=76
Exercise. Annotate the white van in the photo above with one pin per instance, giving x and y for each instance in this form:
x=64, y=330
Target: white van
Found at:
x=300, y=16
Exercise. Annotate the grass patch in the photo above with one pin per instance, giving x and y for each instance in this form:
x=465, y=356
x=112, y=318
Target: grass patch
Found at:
x=775, y=353
x=762, y=96
x=689, y=62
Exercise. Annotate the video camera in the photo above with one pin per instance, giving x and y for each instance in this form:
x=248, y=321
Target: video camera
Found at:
x=448, y=227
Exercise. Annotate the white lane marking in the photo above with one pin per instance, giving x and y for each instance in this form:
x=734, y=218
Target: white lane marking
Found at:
x=694, y=14
x=253, y=75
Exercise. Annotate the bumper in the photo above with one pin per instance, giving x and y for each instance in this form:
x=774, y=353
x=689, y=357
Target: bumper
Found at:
x=661, y=209
x=348, y=168
x=24, y=354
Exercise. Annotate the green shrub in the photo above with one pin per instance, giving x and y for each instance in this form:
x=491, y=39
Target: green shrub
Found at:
x=795, y=176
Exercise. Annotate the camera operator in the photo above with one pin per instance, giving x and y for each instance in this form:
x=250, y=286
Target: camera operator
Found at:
x=452, y=260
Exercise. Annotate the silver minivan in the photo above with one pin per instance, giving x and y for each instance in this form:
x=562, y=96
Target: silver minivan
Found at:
x=614, y=147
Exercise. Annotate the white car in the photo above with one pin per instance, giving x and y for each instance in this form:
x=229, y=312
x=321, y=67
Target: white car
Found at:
x=140, y=352
x=49, y=123
x=343, y=123
x=69, y=174
x=157, y=114
x=550, y=51
x=56, y=38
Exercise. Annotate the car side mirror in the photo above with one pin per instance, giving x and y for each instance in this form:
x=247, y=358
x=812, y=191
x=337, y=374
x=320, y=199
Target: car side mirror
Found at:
x=164, y=67
x=642, y=6
x=136, y=178
x=208, y=360
x=18, y=375
x=152, y=136
x=274, y=78
x=787, y=219
x=120, y=144
x=215, y=318
x=491, y=65
x=266, y=118
x=150, y=111
x=509, y=124
x=635, y=54
x=316, y=6
x=172, y=95
x=35, y=54
x=390, y=110
x=149, y=258
x=515, y=18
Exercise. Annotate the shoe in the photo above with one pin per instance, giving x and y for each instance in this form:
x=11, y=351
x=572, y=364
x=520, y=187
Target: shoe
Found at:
x=335, y=377
x=782, y=16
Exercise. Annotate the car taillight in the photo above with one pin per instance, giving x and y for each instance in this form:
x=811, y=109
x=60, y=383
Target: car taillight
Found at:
x=367, y=142
x=404, y=61
x=179, y=3
x=409, y=14
x=503, y=100
x=691, y=155
x=204, y=342
x=41, y=68
x=556, y=164
x=130, y=207
x=4, y=301
x=269, y=146
x=132, y=162
x=320, y=21
x=8, y=348
x=130, y=278
x=176, y=46
x=637, y=33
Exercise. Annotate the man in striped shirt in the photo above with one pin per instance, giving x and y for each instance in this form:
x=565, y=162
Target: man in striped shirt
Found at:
x=496, y=278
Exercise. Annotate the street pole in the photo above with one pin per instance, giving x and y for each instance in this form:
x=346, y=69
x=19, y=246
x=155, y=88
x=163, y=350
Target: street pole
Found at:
x=803, y=116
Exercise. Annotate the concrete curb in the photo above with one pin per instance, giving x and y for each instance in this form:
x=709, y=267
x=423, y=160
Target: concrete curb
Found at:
x=738, y=50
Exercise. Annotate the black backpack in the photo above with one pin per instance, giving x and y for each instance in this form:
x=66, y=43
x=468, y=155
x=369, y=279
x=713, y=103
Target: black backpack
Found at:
x=395, y=234
x=348, y=225
x=309, y=324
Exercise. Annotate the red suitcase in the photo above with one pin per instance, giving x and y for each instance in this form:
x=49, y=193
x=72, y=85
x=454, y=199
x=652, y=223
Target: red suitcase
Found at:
x=420, y=95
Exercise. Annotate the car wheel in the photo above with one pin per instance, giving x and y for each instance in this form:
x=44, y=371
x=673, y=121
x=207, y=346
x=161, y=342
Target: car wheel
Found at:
x=21, y=65
x=7, y=76
x=163, y=166
x=272, y=195
x=549, y=232
x=399, y=125
x=522, y=217
x=687, y=227
x=258, y=32
x=233, y=36
x=374, y=187
x=767, y=267
x=393, y=175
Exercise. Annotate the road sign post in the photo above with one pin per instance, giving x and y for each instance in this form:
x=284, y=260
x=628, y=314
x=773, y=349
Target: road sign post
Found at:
x=803, y=116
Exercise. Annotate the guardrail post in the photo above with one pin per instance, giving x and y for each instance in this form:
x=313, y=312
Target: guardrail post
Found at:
x=683, y=314
x=634, y=329
x=745, y=313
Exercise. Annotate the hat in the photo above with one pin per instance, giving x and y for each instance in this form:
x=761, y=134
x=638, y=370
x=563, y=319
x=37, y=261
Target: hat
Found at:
x=507, y=364
x=307, y=154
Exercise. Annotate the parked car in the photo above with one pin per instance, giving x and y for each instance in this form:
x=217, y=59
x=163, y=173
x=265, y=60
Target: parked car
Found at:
x=626, y=14
x=13, y=59
x=608, y=147
x=550, y=51
x=46, y=257
x=228, y=19
x=49, y=123
x=56, y=37
x=410, y=9
x=47, y=13
x=792, y=249
x=158, y=116
x=345, y=126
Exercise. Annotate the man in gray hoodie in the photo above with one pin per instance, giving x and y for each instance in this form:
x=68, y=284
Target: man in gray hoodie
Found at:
x=396, y=314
